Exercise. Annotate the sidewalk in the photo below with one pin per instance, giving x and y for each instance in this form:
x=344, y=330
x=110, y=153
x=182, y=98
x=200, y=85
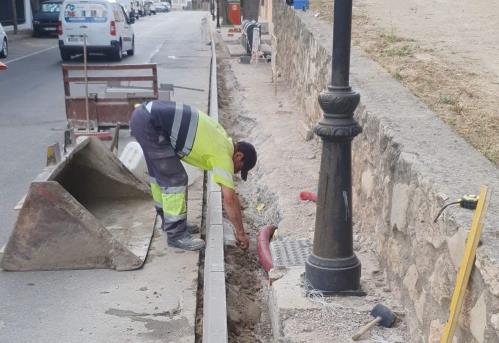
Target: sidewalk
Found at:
x=288, y=164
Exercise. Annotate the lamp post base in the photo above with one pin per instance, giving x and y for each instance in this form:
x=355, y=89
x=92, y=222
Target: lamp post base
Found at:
x=334, y=276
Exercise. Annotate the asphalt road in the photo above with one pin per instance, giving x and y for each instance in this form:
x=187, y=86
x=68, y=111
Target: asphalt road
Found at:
x=32, y=112
x=154, y=304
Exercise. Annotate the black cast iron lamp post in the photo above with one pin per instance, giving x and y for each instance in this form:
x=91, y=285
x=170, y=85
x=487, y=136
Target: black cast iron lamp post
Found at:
x=332, y=267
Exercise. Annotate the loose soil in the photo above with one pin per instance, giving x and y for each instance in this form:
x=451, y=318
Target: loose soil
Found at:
x=247, y=310
x=445, y=52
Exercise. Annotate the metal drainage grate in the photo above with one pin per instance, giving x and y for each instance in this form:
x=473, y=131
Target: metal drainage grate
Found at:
x=289, y=253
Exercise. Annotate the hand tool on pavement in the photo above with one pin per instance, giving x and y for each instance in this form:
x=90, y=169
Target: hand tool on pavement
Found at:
x=383, y=316
x=467, y=263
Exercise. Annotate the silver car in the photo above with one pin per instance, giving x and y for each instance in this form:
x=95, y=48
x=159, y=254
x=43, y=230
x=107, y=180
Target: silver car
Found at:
x=4, y=43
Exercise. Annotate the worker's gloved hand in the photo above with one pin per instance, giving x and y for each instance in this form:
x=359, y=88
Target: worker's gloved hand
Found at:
x=242, y=240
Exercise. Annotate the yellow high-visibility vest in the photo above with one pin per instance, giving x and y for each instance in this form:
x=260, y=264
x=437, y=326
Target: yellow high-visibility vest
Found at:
x=213, y=150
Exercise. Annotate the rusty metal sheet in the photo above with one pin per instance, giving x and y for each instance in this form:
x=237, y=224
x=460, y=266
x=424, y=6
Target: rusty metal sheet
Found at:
x=88, y=211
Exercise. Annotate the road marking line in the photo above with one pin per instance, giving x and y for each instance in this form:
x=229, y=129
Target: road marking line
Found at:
x=29, y=55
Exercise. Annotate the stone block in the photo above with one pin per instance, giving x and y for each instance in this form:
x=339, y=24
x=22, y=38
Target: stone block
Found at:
x=478, y=319
x=488, y=271
x=394, y=256
x=410, y=282
x=494, y=320
x=400, y=202
x=441, y=286
x=455, y=244
x=436, y=328
x=419, y=306
x=367, y=182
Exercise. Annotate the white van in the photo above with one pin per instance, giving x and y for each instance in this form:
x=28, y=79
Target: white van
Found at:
x=4, y=43
x=105, y=24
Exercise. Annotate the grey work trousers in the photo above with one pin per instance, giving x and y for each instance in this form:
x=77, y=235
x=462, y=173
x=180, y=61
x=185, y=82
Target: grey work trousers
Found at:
x=168, y=177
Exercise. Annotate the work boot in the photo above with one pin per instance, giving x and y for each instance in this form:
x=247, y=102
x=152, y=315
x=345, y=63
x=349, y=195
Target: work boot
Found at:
x=186, y=242
x=192, y=228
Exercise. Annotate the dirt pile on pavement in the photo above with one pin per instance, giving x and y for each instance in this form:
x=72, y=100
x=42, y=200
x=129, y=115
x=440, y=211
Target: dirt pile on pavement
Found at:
x=451, y=79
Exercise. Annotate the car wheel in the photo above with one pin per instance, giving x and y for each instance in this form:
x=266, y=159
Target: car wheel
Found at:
x=5, y=49
x=65, y=56
x=131, y=52
x=118, y=52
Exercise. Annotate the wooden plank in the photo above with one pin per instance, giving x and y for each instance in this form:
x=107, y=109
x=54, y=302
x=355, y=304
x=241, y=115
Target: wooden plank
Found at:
x=466, y=266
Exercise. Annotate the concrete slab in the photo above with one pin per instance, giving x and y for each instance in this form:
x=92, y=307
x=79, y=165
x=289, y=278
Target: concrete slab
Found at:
x=230, y=37
x=236, y=50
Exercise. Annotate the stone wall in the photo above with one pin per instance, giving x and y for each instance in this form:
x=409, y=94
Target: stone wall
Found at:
x=406, y=165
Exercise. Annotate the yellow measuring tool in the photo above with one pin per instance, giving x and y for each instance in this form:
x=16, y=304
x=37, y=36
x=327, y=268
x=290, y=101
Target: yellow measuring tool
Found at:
x=467, y=262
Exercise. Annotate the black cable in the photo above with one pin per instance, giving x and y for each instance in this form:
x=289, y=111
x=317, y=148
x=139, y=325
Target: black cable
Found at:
x=445, y=206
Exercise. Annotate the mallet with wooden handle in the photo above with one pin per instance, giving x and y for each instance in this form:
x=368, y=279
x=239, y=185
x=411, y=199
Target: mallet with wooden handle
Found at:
x=383, y=316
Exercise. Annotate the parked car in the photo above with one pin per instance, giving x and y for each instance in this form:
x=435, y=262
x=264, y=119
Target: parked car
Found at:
x=138, y=5
x=130, y=8
x=46, y=17
x=162, y=7
x=104, y=23
x=152, y=8
x=4, y=43
x=147, y=9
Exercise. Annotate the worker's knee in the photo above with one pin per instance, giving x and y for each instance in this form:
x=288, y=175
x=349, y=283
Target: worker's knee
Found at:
x=180, y=179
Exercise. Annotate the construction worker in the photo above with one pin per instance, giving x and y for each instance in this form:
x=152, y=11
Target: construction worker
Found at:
x=169, y=132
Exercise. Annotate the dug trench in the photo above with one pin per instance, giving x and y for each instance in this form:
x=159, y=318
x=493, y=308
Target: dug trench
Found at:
x=246, y=282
